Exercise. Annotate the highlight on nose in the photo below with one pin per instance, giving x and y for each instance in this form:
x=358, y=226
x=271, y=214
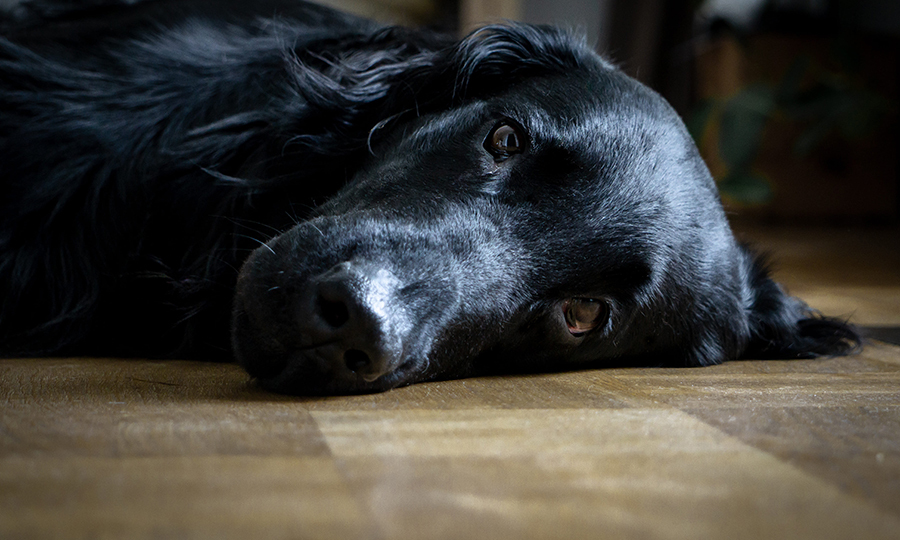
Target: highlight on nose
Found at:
x=332, y=308
x=357, y=319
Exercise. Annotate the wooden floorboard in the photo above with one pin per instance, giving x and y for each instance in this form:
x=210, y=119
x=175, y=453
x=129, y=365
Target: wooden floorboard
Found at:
x=109, y=448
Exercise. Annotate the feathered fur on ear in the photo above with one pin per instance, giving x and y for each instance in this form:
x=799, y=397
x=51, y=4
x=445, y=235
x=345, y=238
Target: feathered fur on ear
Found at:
x=511, y=52
x=782, y=326
x=393, y=73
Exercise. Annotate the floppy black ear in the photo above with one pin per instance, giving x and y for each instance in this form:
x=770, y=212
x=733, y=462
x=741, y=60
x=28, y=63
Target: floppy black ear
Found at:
x=782, y=326
x=345, y=99
x=506, y=53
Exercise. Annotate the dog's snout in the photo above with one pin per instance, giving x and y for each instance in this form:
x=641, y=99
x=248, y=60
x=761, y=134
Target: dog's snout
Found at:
x=347, y=326
x=357, y=319
x=337, y=315
x=363, y=318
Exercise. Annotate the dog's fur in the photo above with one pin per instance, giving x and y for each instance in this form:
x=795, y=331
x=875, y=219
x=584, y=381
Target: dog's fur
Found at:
x=329, y=187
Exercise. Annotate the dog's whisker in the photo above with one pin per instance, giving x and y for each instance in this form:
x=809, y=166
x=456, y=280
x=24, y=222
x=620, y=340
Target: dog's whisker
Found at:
x=242, y=222
x=257, y=240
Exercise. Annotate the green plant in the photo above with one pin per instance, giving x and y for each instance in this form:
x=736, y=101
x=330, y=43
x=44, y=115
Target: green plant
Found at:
x=822, y=102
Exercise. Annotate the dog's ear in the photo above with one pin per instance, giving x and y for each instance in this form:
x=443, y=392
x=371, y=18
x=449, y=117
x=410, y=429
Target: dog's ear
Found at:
x=783, y=326
x=343, y=100
x=505, y=53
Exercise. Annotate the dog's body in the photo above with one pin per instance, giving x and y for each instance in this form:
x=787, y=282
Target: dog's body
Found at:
x=512, y=201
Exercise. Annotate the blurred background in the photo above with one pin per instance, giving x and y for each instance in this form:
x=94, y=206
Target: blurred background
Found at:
x=793, y=103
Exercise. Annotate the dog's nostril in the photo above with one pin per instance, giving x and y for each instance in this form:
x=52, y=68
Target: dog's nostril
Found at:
x=333, y=313
x=356, y=360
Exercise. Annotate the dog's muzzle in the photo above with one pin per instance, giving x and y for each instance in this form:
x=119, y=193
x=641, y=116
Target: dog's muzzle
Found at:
x=343, y=322
x=346, y=329
x=354, y=303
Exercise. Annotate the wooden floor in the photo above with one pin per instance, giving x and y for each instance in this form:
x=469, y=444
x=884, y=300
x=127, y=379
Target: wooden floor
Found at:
x=104, y=448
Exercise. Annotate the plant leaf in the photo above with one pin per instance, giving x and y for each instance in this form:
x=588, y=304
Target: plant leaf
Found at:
x=700, y=117
x=746, y=187
x=743, y=119
x=789, y=86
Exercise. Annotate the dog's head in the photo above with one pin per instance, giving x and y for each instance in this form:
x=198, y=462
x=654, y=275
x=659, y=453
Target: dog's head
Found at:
x=540, y=210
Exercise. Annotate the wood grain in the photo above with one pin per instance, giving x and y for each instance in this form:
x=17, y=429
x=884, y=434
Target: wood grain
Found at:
x=110, y=448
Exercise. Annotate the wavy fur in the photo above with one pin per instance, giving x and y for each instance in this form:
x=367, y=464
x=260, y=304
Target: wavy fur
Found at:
x=146, y=151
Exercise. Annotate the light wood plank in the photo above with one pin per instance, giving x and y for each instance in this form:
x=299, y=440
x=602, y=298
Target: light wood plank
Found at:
x=627, y=473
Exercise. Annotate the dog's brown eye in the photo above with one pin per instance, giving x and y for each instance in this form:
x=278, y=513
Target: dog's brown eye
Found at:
x=585, y=314
x=503, y=141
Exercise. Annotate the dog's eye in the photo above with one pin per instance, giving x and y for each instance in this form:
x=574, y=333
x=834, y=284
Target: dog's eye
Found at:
x=585, y=314
x=503, y=141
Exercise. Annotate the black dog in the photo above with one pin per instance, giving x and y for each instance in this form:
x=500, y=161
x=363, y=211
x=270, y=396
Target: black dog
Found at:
x=369, y=206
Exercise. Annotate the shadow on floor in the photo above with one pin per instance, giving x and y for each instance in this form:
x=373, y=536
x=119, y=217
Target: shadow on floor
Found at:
x=888, y=334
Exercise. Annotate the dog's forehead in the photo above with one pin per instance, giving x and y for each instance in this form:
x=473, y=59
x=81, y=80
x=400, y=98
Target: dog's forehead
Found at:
x=620, y=172
x=597, y=102
x=608, y=129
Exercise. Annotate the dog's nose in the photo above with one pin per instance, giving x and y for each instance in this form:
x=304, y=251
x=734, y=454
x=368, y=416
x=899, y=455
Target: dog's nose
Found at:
x=357, y=318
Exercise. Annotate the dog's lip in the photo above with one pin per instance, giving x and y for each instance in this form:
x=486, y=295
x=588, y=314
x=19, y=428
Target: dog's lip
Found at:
x=401, y=376
x=392, y=379
x=371, y=378
x=293, y=379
